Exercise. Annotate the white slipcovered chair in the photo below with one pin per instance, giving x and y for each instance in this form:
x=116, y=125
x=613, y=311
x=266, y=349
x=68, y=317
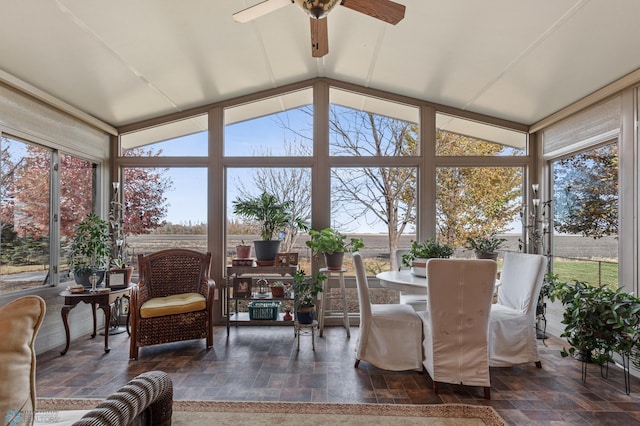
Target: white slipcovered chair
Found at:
x=417, y=301
x=455, y=344
x=390, y=334
x=512, y=323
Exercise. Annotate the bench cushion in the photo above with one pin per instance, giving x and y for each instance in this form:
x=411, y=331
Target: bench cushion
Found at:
x=175, y=304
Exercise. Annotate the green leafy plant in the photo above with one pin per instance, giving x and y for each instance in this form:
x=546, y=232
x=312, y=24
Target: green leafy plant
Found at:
x=428, y=249
x=306, y=288
x=272, y=214
x=485, y=244
x=598, y=320
x=90, y=246
x=549, y=284
x=330, y=241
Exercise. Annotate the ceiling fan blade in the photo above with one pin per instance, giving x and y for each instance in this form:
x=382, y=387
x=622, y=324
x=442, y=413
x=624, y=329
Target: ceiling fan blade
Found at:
x=385, y=10
x=260, y=9
x=319, y=37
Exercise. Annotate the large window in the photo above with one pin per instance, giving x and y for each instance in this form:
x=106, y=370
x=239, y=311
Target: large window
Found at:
x=26, y=211
x=585, y=222
x=165, y=207
x=478, y=201
x=279, y=126
x=182, y=138
x=458, y=136
x=364, y=126
x=77, y=196
x=287, y=185
x=26, y=183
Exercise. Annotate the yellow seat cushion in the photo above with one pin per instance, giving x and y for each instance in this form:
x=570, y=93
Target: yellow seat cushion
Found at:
x=175, y=304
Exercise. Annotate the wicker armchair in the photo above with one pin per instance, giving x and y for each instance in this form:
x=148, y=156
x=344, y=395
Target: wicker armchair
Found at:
x=145, y=400
x=173, y=299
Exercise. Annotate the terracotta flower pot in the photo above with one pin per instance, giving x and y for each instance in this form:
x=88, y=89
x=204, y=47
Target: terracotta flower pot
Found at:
x=277, y=291
x=243, y=252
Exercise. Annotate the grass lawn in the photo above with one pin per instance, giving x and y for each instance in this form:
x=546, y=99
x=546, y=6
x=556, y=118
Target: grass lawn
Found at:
x=592, y=272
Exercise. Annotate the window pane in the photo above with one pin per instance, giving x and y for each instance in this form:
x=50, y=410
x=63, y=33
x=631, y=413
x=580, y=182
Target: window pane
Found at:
x=478, y=201
x=25, y=215
x=279, y=126
x=378, y=205
x=585, y=221
x=364, y=126
x=183, y=138
x=457, y=136
x=77, y=190
x=165, y=208
x=286, y=184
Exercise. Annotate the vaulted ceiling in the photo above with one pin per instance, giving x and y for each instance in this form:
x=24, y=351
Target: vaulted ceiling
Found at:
x=123, y=61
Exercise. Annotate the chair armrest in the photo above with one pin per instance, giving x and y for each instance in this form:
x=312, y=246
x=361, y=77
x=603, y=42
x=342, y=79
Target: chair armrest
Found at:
x=147, y=399
x=207, y=288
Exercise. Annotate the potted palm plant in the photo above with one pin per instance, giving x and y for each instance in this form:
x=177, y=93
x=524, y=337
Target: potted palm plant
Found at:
x=306, y=289
x=332, y=244
x=272, y=215
x=90, y=250
x=419, y=252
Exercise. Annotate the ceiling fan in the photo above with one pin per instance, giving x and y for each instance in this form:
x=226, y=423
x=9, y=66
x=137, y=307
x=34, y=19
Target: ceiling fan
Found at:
x=385, y=10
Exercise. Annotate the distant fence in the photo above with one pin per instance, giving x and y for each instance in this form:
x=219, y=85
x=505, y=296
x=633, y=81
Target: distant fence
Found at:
x=592, y=271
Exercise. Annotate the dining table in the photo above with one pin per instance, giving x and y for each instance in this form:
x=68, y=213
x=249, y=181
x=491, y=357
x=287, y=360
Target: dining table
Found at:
x=403, y=280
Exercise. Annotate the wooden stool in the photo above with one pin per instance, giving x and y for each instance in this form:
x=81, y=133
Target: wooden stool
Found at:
x=306, y=329
x=326, y=298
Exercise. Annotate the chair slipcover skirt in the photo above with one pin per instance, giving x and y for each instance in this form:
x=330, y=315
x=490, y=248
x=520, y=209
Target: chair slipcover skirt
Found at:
x=512, y=335
x=392, y=340
x=390, y=334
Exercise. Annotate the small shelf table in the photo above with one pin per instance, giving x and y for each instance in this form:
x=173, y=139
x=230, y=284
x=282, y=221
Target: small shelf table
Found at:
x=240, y=287
x=307, y=330
x=326, y=299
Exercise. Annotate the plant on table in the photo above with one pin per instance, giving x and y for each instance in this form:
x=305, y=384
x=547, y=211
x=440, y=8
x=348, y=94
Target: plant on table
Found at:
x=272, y=216
x=269, y=212
x=332, y=244
x=428, y=249
x=330, y=241
x=90, y=249
x=486, y=244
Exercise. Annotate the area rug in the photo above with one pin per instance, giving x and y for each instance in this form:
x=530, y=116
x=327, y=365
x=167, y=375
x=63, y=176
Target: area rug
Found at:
x=187, y=413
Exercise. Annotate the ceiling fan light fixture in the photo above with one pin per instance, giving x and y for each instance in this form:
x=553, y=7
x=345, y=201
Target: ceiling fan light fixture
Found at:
x=317, y=8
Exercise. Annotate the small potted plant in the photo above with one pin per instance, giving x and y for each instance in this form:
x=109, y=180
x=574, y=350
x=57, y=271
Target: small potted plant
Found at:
x=306, y=289
x=277, y=289
x=419, y=252
x=332, y=244
x=243, y=250
x=90, y=250
x=272, y=215
x=486, y=246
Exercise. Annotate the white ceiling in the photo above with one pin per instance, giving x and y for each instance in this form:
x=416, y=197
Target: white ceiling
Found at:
x=123, y=61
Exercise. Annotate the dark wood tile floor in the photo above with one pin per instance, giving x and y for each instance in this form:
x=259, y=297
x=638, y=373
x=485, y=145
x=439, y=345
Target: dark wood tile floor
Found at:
x=262, y=364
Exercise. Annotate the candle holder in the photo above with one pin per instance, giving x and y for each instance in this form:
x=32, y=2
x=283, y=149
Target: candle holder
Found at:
x=119, y=255
x=535, y=225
